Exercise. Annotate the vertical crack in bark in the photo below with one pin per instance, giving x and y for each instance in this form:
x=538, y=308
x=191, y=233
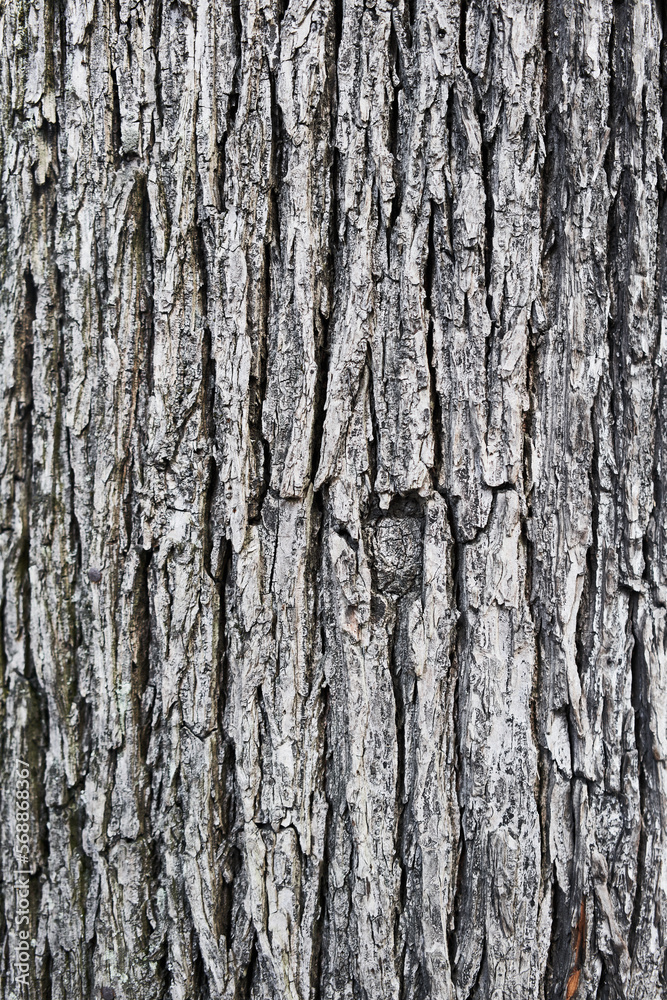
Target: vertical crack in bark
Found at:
x=230, y=832
x=329, y=780
x=116, y=143
x=322, y=353
x=459, y=648
x=163, y=968
x=396, y=671
x=339, y=14
x=463, y=45
x=317, y=967
x=487, y=159
x=60, y=82
x=46, y=977
x=155, y=42
x=142, y=258
x=25, y=406
x=373, y=450
x=74, y=813
x=322, y=323
x=647, y=771
x=324, y=326
x=646, y=763
x=551, y=223
x=200, y=981
x=412, y=8
x=544, y=761
x=149, y=314
x=653, y=536
x=232, y=105
x=34, y=750
x=620, y=225
x=142, y=635
x=244, y=989
x=258, y=376
x=436, y=406
x=393, y=144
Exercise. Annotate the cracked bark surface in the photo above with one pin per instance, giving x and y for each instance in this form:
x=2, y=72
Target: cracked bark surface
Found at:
x=333, y=551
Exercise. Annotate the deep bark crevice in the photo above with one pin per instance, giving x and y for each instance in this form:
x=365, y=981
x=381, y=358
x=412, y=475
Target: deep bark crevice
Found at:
x=458, y=654
x=647, y=771
x=436, y=406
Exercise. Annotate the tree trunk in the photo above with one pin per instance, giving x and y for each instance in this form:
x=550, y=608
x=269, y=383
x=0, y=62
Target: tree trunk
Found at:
x=333, y=553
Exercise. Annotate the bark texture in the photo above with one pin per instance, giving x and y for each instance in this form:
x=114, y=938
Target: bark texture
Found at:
x=333, y=521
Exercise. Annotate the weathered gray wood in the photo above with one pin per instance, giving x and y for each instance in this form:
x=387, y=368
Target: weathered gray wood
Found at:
x=333, y=552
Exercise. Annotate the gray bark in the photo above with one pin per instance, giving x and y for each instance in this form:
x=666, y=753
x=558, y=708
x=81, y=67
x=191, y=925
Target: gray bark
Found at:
x=333, y=542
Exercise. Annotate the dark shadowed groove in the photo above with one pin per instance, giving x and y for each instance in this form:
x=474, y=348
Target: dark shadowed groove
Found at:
x=47, y=970
x=323, y=883
x=230, y=808
x=621, y=209
x=141, y=638
x=554, y=177
x=232, y=106
x=258, y=381
x=544, y=762
x=163, y=970
x=322, y=324
x=396, y=674
x=155, y=41
x=486, y=170
x=648, y=771
x=200, y=980
x=487, y=158
x=35, y=737
x=199, y=255
x=141, y=257
x=640, y=709
x=235, y=8
x=148, y=318
x=225, y=844
x=75, y=812
x=49, y=16
x=463, y=18
x=339, y=15
x=656, y=554
x=374, y=448
x=323, y=328
x=245, y=984
x=116, y=145
x=27, y=344
x=486, y=165
x=481, y=985
x=458, y=652
x=559, y=958
x=589, y=596
x=436, y=406
x=620, y=234
x=60, y=12
x=412, y=6
x=394, y=134
x=322, y=355
x=258, y=375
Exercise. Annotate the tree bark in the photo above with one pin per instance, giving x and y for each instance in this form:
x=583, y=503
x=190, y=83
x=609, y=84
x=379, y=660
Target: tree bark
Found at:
x=333, y=551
